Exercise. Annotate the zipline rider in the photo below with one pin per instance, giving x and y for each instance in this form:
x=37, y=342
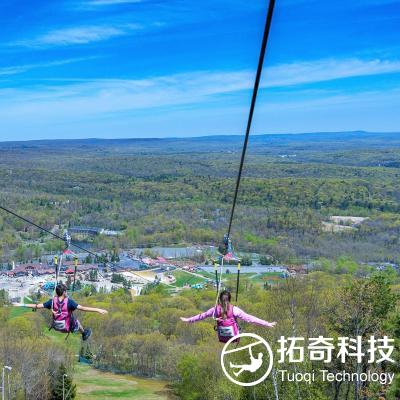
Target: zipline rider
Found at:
x=62, y=308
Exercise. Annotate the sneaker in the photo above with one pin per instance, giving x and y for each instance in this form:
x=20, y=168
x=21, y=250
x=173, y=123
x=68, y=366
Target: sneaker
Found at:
x=86, y=334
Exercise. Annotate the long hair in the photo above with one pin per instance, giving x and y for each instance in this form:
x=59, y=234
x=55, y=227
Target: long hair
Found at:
x=224, y=301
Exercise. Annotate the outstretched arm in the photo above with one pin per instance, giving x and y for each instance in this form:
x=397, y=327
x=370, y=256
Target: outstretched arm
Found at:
x=209, y=313
x=238, y=313
x=91, y=309
x=28, y=305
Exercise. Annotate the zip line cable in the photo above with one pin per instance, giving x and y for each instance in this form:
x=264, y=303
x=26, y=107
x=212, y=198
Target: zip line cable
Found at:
x=264, y=43
x=60, y=238
x=252, y=106
x=45, y=230
x=140, y=246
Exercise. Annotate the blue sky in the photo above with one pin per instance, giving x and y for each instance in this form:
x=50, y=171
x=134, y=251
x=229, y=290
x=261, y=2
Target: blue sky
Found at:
x=157, y=68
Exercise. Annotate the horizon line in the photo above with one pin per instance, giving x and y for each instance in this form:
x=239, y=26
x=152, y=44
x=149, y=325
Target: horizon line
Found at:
x=197, y=137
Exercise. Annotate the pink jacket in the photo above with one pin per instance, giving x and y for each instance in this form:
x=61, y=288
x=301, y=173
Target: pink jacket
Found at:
x=237, y=313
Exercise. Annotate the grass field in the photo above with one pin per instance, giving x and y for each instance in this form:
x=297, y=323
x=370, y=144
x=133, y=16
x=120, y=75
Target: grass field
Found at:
x=207, y=275
x=18, y=311
x=258, y=279
x=94, y=384
x=270, y=277
x=183, y=277
x=73, y=341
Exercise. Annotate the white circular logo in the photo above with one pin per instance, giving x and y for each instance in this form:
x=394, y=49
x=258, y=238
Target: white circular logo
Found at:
x=255, y=362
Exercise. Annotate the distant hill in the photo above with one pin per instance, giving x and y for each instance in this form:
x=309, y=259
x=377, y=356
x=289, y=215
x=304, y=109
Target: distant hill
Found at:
x=264, y=144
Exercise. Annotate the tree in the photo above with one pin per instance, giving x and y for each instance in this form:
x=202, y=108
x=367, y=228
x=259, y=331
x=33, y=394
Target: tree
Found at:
x=114, y=256
x=78, y=285
x=127, y=284
x=117, y=278
x=361, y=310
x=86, y=353
x=346, y=265
x=93, y=275
x=198, y=374
x=3, y=297
x=69, y=282
x=246, y=260
x=20, y=253
x=266, y=260
x=63, y=381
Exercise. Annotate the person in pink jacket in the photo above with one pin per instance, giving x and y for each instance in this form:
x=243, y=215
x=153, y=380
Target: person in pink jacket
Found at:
x=226, y=316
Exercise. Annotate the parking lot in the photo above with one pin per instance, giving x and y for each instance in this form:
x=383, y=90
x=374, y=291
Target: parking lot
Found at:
x=23, y=286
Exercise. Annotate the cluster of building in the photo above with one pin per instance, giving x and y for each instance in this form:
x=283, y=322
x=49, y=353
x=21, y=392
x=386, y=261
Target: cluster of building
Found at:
x=39, y=269
x=35, y=269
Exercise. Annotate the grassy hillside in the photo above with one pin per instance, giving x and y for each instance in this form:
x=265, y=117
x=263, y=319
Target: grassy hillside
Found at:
x=97, y=385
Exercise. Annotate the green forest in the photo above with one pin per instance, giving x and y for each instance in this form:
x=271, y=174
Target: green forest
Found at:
x=179, y=192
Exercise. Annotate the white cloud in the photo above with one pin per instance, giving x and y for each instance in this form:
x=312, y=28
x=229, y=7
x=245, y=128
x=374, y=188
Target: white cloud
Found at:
x=59, y=103
x=118, y=95
x=326, y=70
x=18, y=69
x=374, y=111
x=78, y=35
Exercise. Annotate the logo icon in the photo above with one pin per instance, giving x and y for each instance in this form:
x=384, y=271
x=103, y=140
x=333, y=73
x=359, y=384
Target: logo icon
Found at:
x=257, y=355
